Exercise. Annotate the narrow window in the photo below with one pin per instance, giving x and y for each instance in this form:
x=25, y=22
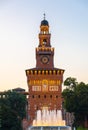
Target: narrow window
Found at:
x=56, y=96
x=32, y=96
x=50, y=96
x=38, y=96
x=44, y=96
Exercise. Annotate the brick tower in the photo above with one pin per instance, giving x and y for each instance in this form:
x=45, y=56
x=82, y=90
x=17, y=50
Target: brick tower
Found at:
x=44, y=81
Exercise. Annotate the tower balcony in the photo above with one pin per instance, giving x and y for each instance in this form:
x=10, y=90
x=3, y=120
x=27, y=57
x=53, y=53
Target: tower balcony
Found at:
x=44, y=49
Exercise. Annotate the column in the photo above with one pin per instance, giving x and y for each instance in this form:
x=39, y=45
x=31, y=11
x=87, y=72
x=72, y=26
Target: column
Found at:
x=59, y=128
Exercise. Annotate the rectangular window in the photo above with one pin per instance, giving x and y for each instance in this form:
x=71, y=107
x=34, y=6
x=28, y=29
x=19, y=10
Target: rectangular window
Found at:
x=53, y=88
x=36, y=88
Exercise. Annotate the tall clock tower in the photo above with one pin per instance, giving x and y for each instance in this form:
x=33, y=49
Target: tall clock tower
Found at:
x=44, y=51
x=44, y=81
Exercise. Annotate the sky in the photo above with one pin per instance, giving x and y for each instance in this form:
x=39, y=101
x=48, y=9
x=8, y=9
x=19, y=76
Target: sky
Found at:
x=19, y=28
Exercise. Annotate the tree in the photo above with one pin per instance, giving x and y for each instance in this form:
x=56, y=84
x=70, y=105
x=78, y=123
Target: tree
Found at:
x=9, y=120
x=17, y=102
x=71, y=83
x=12, y=111
x=76, y=100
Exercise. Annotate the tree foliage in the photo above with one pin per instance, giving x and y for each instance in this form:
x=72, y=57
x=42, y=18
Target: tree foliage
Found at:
x=71, y=83
x=76, y=100
x=12, y=111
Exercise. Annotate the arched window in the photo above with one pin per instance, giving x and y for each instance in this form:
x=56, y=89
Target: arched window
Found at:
x=44, y=41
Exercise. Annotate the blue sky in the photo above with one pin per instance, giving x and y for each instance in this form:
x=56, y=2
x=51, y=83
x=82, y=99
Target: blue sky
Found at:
x=19, y=28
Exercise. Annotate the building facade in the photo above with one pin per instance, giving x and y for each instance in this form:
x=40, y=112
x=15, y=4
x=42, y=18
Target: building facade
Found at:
x=44, y=81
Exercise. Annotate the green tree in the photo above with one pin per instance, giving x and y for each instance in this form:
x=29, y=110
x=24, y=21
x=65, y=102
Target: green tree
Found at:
x=9, y=120
x=76, y=100
x=17, y=102
x=12, y=111
x=71, y=83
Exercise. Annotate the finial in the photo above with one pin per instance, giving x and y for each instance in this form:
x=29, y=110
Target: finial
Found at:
x=44, y=16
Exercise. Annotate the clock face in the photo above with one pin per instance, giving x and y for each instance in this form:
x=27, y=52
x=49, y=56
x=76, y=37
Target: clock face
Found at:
x=45, y=59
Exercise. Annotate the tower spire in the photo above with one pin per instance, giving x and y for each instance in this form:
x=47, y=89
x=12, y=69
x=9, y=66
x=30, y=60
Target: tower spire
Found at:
x=44, y=16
